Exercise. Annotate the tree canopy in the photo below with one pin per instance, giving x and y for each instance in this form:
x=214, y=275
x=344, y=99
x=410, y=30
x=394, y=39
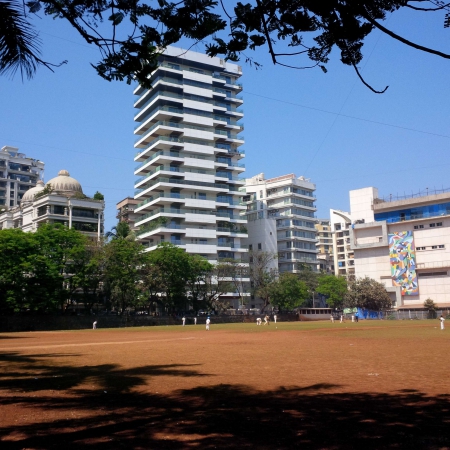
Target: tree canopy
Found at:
x=334, y=288
x=369, y=294
x=131, y=34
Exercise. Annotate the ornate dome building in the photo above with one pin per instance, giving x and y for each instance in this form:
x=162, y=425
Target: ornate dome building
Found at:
x=65, y=184
x=63, y=203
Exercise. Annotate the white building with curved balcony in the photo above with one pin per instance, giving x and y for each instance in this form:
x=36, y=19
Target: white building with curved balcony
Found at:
x=189, y=156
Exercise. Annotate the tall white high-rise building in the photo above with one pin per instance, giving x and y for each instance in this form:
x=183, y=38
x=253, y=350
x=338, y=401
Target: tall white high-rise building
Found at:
x=18, y=173
x=189, y=157
x=289, y=202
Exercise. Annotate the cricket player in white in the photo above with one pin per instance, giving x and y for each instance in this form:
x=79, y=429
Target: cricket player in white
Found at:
x=442, y=322
x=207, y=323
x=184, y=320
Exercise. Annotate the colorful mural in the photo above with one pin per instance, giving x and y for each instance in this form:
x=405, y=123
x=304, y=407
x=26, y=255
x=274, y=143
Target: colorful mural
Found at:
x=403, y=262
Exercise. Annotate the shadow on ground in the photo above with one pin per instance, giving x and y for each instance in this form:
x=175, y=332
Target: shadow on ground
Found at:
x=216, y=416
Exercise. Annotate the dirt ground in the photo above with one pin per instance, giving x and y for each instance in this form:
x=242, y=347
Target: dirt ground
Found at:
x=375, y=384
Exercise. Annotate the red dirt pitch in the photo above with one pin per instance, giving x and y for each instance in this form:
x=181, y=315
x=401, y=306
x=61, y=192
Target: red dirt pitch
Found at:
x=366, y=385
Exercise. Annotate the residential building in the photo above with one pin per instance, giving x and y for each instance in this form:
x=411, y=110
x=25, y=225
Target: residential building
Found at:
x=343, y=256
x=404, y=243
x=324, y=246
x=61, y=200
x=125, y=211
x=290, y=201
x=189, y=156
x=18, y=173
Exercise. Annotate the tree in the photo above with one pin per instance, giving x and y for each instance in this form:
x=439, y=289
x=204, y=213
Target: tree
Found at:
x=367, y=293
x=121, y=231
x=237, y=274
x=288, y=292
x=123, y=260
x=98, y=196
x=334, y=288
x=173, y=269
x=310, y=278
x=261, y=277
x=304, y=30
x=431, y=307
x=197, y=281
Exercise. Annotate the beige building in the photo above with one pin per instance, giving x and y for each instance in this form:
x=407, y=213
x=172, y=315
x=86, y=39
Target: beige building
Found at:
x=324, y=246
x=125, y=211
x=403, y=243
x=60, y=200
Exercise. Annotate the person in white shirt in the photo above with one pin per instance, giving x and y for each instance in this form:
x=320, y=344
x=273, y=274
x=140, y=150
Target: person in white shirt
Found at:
x=184, y=320
x=195, y=320
x=275, y=318
x=208, y=321
x=442, y=321
x=94, y=325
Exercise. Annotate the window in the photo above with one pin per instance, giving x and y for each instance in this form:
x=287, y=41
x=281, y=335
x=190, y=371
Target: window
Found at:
x=260, y=194
x=259, y=246
x=202, y=196
x=439, y=224
x=434, y=247
x=432, y=274
x=441, y=246
x=250, y=247
x=432, y=225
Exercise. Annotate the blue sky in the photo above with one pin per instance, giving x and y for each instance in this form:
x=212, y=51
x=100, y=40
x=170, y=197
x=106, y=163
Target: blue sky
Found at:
x=327, y=127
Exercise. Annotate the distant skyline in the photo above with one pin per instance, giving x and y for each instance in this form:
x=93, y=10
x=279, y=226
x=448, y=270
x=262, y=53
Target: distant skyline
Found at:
x=326, y=127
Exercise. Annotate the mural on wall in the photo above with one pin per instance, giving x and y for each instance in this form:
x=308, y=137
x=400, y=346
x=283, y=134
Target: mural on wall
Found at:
x=403, y=262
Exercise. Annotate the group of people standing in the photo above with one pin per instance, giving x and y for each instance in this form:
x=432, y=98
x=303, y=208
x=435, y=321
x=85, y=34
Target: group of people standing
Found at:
x=266, y=320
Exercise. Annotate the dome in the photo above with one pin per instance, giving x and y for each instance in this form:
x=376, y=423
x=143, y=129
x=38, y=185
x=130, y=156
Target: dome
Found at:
x=65, y=183
x=29, y=195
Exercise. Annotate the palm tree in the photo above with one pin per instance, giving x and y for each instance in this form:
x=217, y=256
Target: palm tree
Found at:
x=121, y=231
x=19, y=42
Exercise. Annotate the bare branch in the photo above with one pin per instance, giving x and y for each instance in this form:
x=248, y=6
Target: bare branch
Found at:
x=367, y=84
x=266, y=32
x=367, y=16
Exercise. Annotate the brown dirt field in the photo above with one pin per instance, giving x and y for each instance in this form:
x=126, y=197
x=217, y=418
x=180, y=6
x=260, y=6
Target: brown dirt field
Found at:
x=375, y=384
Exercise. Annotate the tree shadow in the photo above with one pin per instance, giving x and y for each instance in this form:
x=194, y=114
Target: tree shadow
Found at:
x=219, y=416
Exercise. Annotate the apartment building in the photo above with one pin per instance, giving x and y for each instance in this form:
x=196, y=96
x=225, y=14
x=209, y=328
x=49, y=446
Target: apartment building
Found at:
x=62, y=202
x=324, y=245
x=343, y=255
x=125, y=211
x=290, y=202
x=18, y=173
x=189, y=156
x=404, y=243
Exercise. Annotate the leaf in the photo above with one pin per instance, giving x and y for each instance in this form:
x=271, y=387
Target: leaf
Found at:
x=116, y=18
x=34, y=7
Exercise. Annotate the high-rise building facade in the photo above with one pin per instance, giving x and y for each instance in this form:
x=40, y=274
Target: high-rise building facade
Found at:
x=125, y=211
x=189, y=156
x=18, y=173
x=344, y=259
x=290, y=201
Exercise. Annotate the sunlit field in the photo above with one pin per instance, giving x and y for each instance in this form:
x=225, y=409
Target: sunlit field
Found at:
x=372, y=384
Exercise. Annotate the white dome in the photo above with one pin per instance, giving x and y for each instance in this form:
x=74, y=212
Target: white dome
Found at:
x=65, y=183
x=29, y=195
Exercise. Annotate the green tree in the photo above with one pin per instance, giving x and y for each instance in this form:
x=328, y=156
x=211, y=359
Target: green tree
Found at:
x=369, y=294
x=334, y=288
x=310, y=278
x=16, y=250
x=261, y=277
x=121, y=231
x=99, y=196
x=431, y=307
x=173, y=269
x=123, y=262
x=297, y=33
x=288, y=292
